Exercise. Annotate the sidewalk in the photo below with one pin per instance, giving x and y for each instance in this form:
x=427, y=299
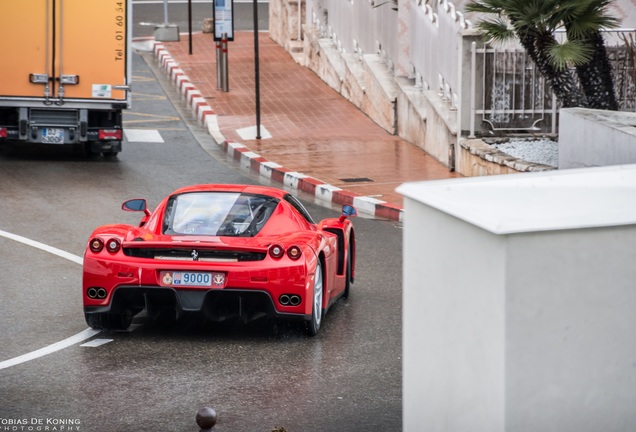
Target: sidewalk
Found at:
x=320, y=143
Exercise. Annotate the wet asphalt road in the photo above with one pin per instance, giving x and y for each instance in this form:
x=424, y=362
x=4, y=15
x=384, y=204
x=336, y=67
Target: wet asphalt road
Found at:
x=257, y=377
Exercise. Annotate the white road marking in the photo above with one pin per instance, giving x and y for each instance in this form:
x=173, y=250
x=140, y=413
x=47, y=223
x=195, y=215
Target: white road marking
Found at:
x=96, y=342
x=249, y=133
x=143, y=135
x=86, y=334
x=42, y=246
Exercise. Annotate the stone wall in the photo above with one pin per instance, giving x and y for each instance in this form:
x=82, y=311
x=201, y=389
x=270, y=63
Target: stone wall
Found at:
x=364, y=80
x=283, y=23
x=478, y=158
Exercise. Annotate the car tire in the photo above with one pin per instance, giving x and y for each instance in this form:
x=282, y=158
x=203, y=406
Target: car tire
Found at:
x=109, y=321
x=120, y=321
x=95, y=321
x=313, y=325
x=347, y=289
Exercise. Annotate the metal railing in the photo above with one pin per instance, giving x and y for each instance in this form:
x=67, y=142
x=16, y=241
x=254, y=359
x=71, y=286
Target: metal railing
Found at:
x=434, y=28
x=507, y=93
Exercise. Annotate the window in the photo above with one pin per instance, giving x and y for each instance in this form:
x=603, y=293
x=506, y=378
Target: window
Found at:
x=217, y=214
x=298, y=206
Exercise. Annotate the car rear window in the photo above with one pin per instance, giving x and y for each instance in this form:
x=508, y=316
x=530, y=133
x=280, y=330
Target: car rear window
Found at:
x=217, y=213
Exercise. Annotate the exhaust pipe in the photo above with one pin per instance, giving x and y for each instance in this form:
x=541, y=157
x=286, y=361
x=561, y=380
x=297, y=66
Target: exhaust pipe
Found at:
x=289, y=300
x=96, y=293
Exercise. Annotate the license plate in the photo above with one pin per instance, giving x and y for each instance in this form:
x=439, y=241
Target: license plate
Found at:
x=192, y=279
x=53, y=136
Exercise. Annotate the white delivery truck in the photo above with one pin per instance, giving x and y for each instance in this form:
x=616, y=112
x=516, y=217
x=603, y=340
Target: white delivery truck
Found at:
x=66, y=74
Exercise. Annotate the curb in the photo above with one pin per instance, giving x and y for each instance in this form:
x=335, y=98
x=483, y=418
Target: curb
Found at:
x=208, y=119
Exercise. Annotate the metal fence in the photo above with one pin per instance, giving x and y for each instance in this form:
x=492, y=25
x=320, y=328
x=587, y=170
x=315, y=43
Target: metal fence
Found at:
x=507, y=93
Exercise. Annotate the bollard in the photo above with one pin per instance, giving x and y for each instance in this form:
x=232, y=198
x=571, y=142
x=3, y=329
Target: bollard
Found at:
x=219, y=73
x=206, y=419
x=224, y=56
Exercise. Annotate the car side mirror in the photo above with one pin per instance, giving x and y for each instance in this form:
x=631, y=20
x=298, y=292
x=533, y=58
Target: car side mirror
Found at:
x=349, y=210
x=138, y=204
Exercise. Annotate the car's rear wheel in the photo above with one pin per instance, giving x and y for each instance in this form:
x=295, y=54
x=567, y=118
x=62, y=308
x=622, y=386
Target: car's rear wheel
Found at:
x=109, y=321
x=95, y=321
x=316, y=313
x=347, y=290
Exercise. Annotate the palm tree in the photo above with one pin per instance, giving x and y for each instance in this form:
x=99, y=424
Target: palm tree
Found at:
x=583, y=20
x=534, y=22
x=528, y=21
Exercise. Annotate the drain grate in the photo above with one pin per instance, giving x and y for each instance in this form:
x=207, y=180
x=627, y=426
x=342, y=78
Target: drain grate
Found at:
x=356, y=180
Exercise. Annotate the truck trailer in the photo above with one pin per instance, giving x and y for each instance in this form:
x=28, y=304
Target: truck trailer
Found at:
x=67, y=71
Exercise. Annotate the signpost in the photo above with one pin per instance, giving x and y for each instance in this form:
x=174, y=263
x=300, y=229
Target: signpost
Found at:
x=223, y=15
x=223, y=19
x=257, y=73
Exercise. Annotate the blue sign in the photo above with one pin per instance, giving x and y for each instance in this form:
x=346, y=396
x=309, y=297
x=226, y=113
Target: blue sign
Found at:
x=223, y=19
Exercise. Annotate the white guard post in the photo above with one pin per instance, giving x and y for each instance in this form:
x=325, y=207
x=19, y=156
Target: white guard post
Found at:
x=519, y=302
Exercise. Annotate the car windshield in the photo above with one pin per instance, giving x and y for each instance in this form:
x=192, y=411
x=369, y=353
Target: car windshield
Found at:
x=217, y=213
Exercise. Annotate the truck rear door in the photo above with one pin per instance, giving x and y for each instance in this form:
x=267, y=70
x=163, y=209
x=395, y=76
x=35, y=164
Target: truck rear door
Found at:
x=70, y=49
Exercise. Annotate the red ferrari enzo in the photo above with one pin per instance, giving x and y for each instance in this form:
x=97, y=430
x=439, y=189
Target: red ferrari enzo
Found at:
x=227, y=251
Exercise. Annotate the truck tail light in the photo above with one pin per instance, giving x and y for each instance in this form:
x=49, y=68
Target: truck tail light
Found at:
x=110, y=134
x=3, y=132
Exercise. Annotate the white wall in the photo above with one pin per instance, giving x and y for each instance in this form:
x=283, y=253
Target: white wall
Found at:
x=453, y=324
x=570, y=326
x=589, y=138
x=518, y=303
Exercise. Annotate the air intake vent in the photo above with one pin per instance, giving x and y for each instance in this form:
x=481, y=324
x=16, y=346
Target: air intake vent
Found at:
x=41, y=117
x=187, y=255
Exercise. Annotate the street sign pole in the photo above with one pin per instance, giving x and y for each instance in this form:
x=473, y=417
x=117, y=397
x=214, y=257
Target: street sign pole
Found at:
x=257, y=73
x=190, y=25
x=223, y=17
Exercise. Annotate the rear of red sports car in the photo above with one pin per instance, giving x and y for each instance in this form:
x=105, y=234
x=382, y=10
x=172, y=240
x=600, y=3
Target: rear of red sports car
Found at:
x=225, y=252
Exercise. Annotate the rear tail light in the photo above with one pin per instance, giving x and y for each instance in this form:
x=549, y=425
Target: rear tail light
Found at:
x=96, y=245
x=276, y=251
x=113, y=245
x=110, y=134
x=294, y=252
x=3, y=132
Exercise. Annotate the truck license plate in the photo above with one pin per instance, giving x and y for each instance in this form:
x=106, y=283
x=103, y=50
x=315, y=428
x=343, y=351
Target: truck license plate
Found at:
x=52, y=136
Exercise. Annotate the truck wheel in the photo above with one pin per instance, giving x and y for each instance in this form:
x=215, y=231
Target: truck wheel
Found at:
x=88, y=152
